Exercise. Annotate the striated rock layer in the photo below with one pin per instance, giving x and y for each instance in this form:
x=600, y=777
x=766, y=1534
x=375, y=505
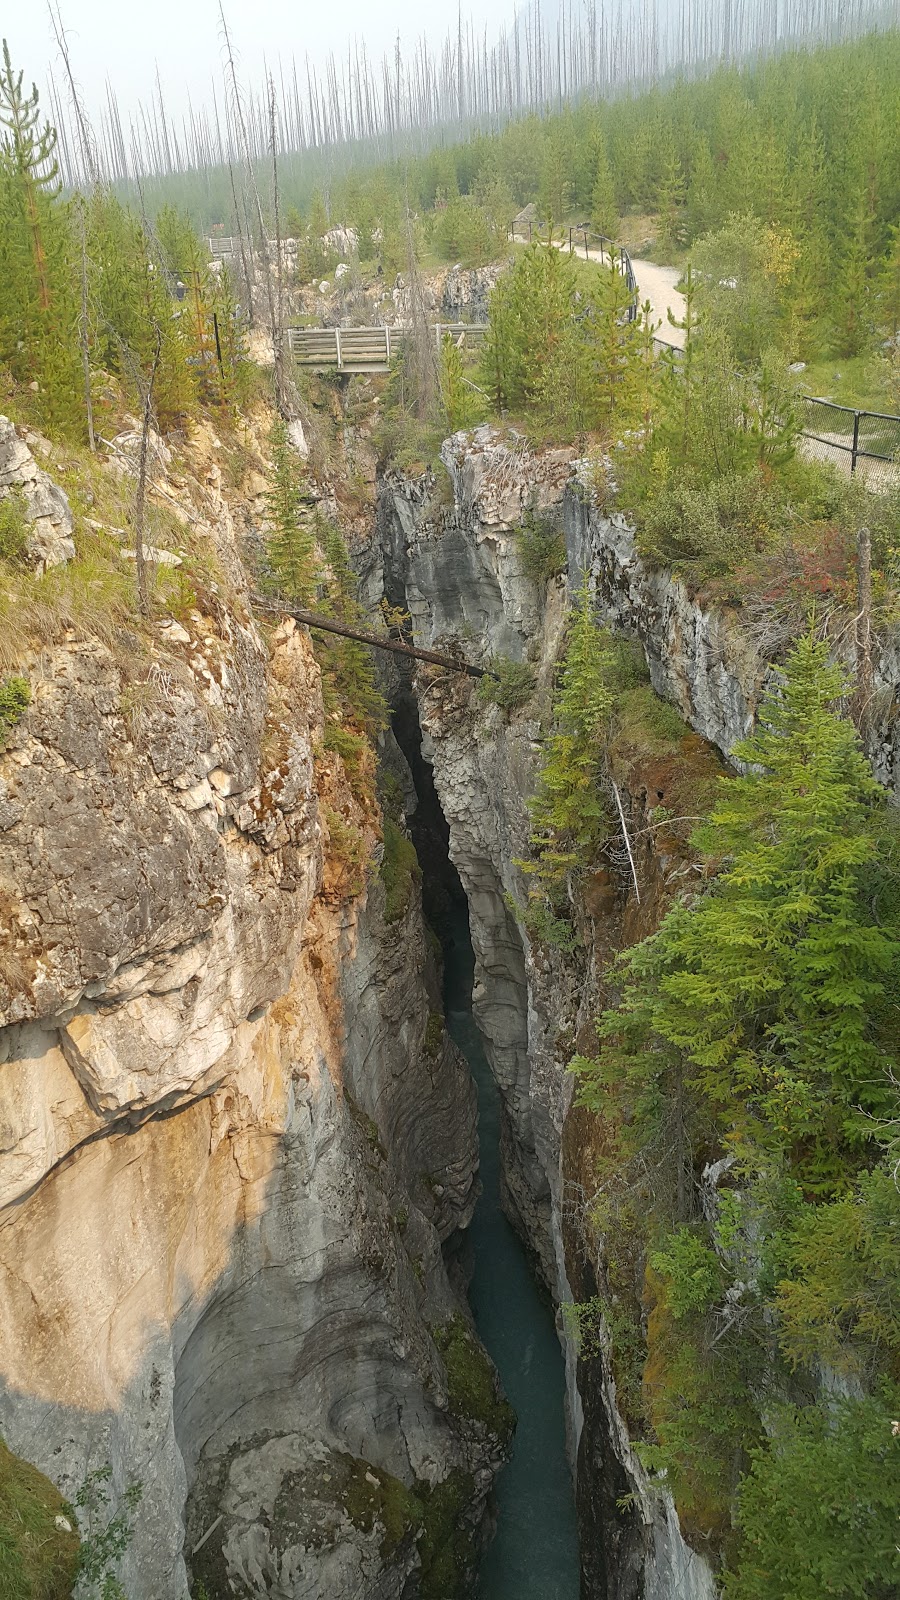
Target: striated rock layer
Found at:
x=458, y=569
x=232, y=1144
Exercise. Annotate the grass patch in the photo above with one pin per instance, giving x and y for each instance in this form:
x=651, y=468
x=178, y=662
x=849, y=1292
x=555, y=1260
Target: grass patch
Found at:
x=862, y=382
x=37, y=1560
x=648, y=724
x=399, y=870
x=13, y=527
x=94, y=596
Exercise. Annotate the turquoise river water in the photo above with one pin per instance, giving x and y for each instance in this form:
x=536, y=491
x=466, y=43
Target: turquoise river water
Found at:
x=534, y=1553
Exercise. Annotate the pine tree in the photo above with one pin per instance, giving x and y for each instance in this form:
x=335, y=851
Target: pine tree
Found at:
x=529, y=339
x=29, y=147
x=556, y=182
x=604, y=211
x=38, y=301
x=291, y=544
x=349, y=679
x=568, y=809
x=620, y=370
x=762, y=992
x=701, y=213
x=852, y=294
x=889, y=286
x=131, y=293
x=669, y=198
x=459, y=399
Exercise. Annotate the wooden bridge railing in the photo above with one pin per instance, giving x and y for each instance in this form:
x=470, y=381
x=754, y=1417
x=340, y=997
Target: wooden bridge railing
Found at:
x=368, y=349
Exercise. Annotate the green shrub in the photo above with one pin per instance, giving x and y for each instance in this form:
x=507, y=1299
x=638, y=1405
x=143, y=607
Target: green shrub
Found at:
x=709, y=530
x=13, y=527
x=541, y=544
x=106, y=1532
x=840, y=1302
x=541, y=917
x=645, y=723
x=692, y=1272
x=15, y=695
x=356, y=753
x=347, y=846
x=508, y=684
x=399, y=870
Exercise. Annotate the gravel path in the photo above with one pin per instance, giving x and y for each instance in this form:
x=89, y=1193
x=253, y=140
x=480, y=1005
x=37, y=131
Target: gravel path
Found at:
x=657, y=284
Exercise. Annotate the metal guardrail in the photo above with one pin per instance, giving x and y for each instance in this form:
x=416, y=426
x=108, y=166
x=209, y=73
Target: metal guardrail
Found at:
x=369, y=349
x=869, y=441
x=863, y=442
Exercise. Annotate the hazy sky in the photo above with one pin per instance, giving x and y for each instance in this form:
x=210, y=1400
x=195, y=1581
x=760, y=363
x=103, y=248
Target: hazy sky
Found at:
x=122, y=39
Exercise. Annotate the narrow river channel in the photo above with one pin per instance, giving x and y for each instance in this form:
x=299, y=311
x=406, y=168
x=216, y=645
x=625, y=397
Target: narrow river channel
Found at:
x=534, y=1553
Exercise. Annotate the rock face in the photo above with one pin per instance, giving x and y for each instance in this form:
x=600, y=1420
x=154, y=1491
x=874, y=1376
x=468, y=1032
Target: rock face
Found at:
x=459, y=572
x=45, y=507
x=702, y=657
x=229, y=1158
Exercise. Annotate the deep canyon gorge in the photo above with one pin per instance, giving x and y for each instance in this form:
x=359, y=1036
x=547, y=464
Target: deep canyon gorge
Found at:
x=251, y=1260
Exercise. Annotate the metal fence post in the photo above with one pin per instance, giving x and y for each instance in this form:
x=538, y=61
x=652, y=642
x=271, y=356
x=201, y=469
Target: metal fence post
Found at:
x=585, y=245
x=337, y=345
x=855, y=441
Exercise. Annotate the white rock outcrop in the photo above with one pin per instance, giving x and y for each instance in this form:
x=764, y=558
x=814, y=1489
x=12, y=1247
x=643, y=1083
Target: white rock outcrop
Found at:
x=45, y=506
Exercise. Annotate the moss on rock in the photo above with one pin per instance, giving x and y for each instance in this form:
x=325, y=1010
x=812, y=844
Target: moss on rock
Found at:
x=472, y=1383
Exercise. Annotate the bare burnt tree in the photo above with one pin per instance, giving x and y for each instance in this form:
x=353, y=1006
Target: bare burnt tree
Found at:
x=140, y=504
x=401, y=104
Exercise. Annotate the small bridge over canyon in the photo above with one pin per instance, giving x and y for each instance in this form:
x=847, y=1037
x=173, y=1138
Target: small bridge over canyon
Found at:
x=370, y=349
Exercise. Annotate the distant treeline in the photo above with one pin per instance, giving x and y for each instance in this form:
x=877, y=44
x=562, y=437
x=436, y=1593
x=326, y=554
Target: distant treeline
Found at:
x=806, y=143
x=357, y=108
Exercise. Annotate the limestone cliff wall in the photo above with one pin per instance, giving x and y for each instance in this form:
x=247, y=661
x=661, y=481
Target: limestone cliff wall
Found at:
x=228, y=1158
x=708, y=660
x=459, y=571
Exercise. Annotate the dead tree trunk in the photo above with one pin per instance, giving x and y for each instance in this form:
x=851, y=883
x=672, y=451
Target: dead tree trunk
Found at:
x=141, y=498
x=865, y=671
